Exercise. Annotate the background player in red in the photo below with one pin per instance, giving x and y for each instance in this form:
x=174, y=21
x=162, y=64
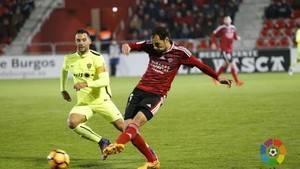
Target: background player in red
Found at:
x=165, y=58
x=227, y=34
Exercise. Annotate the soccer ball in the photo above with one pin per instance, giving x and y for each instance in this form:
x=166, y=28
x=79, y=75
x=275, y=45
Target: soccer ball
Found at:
x=58, y=159
x=273, y=152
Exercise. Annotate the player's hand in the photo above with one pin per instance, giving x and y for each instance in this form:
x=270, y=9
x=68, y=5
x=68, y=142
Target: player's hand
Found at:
x=238, y=38
x=66, y=96
x=126, y=48
x=224, y=81
x=80, y=85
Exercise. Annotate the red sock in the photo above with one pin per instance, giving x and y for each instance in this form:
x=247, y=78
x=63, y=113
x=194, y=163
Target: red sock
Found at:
x=140, y=144
x=234, y=74
x=221, y=70
x=129, y=134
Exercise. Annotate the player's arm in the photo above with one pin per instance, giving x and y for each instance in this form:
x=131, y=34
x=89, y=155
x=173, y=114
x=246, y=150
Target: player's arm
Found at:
x=63, y=82
x=193, y=61
x=103, y=78
x=101, y=81
x=216, y=34
x=137, y=46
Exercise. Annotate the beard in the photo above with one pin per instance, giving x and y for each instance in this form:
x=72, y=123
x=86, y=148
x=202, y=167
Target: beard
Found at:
x=82, y=49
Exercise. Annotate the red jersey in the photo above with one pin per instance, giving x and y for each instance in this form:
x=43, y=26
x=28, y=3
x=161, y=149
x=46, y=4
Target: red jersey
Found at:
x=163, y=67
x=227, y=35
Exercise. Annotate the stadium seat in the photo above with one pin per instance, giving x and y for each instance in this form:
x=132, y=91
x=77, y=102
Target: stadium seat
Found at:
x=261, y=43
x=11, y=25
x=290, y=23
x=200, y=3
x=280, y=32
x=284, y=42
x=264, y=33
x=276, y=32
x=272, y=42
x=279, y=23
x=203, y=44
x=268, y=24
x=296, y=14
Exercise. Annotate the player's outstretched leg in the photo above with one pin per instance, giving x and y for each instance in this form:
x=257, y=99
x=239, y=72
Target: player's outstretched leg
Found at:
x=129, y=133
x=150, y=165
x=152, y=159
x=140, y=144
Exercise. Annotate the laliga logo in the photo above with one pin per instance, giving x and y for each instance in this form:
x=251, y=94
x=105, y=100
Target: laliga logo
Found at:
x=272, y=152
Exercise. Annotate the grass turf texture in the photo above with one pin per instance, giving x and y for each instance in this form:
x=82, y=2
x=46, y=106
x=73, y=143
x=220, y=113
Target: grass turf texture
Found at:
x=200, y=126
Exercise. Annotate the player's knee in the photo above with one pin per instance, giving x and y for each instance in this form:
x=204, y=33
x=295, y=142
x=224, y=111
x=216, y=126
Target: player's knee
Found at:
x=75, y=119
x=73, y=123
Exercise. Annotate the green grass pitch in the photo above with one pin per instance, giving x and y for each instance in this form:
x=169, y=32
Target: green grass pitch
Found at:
x=200, y=126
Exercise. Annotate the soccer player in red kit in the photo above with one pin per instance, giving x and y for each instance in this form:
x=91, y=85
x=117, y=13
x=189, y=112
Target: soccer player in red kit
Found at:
x=227, y=34
x=165, y=58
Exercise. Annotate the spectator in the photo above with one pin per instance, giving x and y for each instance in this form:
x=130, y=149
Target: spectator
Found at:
x=181, y=16
x=184, y=31
x=13, y=14
x=296, y=4
x=105, y=36
x=271, y=11
x=231, y=9
x=114, y=56
x=284, y=9
x=135, y=24
x=93, y=35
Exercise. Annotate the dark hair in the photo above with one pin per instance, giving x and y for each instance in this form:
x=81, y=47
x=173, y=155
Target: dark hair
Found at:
x=162, y=32
x=81, y=31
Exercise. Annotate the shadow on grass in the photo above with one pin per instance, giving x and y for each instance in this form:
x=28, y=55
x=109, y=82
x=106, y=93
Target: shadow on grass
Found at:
x=23, y=158
x=76, y=163
x=122, y=163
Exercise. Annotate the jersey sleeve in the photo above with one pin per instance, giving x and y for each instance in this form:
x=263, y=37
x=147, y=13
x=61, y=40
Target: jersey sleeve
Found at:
x=102, y=79
x=65, y=64
x=63, y=75
x=99, y=61
x=216, y=34
x=195, y=62
x=138, y=46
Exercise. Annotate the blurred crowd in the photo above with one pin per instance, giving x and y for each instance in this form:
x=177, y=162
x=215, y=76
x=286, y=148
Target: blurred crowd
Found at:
x=278, y=9
x=184, y=18
x=281, y=21
x=13, y=14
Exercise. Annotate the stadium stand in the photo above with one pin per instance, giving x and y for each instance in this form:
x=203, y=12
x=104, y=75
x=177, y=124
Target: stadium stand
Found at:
x=281, y=20
x=13, y=14
x=184, y=18
x=133, y=21
x=74, y=15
